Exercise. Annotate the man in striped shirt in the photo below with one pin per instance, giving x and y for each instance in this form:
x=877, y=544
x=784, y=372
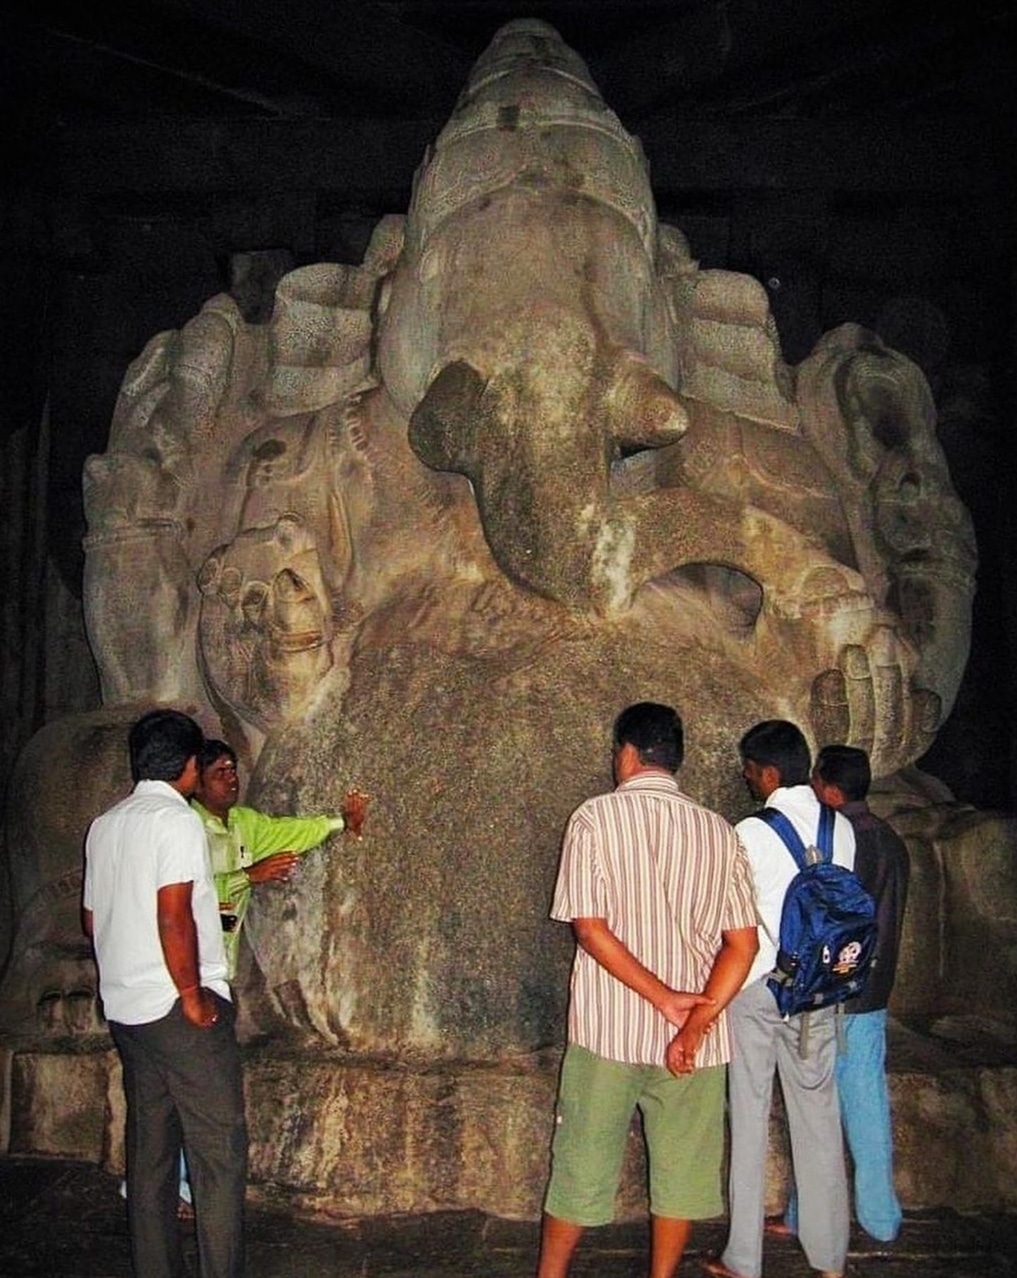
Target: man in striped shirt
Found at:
x=659, y=894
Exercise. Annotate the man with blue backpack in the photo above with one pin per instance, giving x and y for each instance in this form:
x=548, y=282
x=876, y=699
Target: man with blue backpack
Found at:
x=799, y=1044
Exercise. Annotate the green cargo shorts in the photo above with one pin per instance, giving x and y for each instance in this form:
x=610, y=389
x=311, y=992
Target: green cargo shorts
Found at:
x=683, y=1122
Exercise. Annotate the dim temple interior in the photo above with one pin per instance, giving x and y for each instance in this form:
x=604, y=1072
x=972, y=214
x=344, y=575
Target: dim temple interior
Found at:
x=291, y=291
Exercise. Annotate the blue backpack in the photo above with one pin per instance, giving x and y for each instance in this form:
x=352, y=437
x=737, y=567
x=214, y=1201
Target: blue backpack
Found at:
x=827, y=924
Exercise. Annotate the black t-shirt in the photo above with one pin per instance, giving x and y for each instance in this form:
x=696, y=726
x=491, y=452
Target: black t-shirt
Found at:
x=882, y=864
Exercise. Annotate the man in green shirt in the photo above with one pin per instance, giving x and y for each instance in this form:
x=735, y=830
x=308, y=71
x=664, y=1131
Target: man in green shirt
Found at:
x=247, y=847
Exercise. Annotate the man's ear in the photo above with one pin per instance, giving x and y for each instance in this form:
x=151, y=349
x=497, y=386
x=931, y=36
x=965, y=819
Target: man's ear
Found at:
x=626, y=761
x=190, y=776
x=827, y=793
x=770, y=777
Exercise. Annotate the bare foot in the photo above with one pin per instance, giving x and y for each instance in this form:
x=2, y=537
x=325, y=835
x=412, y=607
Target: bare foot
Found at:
x=714, y=1266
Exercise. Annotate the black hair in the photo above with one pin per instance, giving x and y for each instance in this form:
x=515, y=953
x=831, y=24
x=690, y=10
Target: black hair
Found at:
x=212, y=750
x=847, y=768
x=160, y=743
x=776, y=743
x=656, y=732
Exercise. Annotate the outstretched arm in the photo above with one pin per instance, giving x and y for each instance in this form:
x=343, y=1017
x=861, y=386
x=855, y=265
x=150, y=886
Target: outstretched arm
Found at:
x=600, y=943
x=265, y=836
x=279, y=842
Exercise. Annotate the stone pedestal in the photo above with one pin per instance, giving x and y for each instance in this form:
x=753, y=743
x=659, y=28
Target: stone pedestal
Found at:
x=336, y=1136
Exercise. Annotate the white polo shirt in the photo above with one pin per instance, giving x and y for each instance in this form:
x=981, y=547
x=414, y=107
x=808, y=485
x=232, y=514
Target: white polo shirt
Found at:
x=148, y=841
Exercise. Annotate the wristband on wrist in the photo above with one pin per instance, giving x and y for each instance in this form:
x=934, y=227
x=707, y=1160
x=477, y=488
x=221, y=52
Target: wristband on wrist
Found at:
x=188, y=990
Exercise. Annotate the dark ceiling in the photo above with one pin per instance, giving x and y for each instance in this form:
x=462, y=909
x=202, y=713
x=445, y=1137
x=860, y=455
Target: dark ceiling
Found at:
x=808, y=60
x=333, y=58
x=248, y=125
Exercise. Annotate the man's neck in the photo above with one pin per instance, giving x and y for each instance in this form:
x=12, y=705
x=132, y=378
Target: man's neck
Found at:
x=181, y=788
x=647, y=770
x=784, y=785
x=220, y=813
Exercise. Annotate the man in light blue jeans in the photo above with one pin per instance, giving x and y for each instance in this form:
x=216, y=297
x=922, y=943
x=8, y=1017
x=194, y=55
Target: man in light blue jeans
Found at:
x=841, y=778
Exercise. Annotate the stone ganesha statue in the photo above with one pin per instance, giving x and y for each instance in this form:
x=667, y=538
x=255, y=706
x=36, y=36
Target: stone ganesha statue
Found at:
x=432, y=525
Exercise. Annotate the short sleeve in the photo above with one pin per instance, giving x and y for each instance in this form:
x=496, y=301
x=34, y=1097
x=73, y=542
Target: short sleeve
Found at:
x=580, y=890
x=86, y=887
x=740, y=905
x=181, y=851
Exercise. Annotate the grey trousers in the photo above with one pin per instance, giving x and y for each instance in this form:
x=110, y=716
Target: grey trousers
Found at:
x=764, y=1042
x=184, y=1085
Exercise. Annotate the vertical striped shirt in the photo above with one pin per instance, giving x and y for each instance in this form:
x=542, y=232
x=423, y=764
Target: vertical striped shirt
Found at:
x=668, y=876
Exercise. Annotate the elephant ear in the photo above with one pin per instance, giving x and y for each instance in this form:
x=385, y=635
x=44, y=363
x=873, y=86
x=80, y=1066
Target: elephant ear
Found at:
x=642, y=411
x=443, y=426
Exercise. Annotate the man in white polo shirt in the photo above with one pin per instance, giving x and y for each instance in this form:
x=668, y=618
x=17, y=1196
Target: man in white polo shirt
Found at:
x=659, y=895
x=776, y=764
x=151, y=909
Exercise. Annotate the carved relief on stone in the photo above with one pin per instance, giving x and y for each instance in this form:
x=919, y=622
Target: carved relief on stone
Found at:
x=139, y=572
x=869, y=413
x=622, y=419
x=265, y=623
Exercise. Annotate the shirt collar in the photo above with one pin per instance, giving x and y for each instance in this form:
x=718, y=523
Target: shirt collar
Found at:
x=791, y=792
x=158, y=787
x=651, y=781
x=209, y=819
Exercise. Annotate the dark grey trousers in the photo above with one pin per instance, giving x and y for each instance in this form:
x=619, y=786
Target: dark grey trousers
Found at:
x=184, y=1086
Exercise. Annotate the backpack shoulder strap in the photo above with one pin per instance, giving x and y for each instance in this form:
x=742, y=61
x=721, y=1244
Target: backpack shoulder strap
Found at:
x=788, y=835
x=824, y=837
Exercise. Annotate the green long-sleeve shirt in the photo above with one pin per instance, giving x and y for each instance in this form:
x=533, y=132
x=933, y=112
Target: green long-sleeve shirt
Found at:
x=248, y=836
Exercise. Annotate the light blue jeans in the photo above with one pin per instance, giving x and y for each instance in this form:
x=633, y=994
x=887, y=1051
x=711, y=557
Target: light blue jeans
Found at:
x=865, y=1113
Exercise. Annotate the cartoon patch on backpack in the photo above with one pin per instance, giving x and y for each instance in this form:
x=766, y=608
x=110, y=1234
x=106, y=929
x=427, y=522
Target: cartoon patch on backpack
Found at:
x=848, y=960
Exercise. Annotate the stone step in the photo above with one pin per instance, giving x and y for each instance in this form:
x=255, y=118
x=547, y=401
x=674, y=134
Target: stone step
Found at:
x=332, y=1134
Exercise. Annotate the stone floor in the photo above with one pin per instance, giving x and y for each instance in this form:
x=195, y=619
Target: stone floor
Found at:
x=66, y=1220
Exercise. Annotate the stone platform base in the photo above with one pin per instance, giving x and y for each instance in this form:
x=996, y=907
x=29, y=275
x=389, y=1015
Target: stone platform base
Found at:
x=338, y=1136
